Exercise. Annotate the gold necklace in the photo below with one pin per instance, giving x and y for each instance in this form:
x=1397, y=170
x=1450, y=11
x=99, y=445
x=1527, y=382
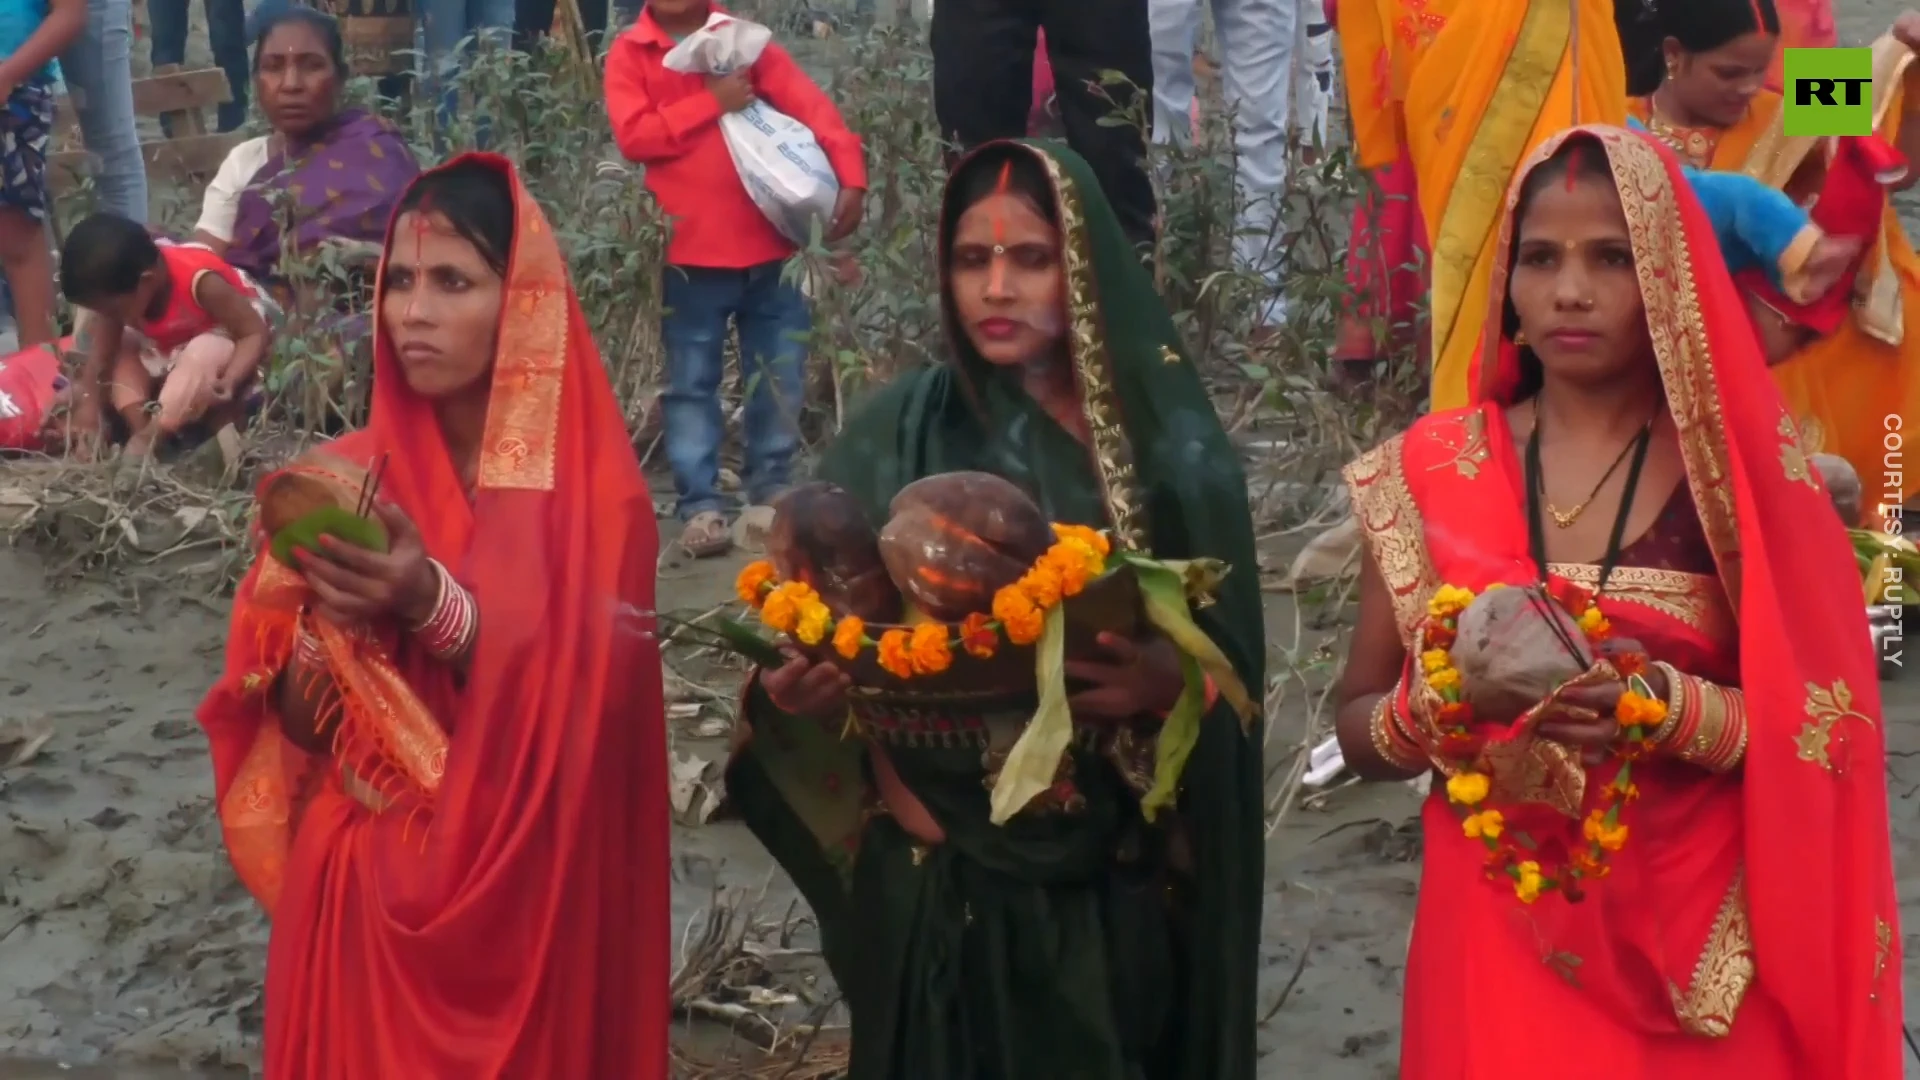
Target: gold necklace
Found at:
x=1695, y=145
x=1564, y=519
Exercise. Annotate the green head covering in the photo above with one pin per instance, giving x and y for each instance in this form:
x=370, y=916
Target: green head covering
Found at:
x=1161, y=473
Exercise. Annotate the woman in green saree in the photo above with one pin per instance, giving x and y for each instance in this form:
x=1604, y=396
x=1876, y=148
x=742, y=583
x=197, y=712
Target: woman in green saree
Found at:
x=1077, y=941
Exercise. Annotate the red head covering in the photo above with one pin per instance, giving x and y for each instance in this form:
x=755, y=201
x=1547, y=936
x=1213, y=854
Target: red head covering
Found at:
x=505, y=913
x=1819, y=877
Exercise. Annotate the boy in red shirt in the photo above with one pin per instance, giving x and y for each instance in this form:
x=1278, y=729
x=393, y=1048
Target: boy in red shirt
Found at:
x=200, y=330
x=725, y=256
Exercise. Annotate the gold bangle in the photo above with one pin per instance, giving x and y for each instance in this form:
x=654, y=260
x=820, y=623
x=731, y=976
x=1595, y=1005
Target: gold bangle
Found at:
x=1716, y=722
x=1676, y=702
x=1390, y=740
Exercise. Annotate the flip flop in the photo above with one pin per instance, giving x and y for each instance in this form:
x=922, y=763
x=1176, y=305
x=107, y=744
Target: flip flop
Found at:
x=706, y=535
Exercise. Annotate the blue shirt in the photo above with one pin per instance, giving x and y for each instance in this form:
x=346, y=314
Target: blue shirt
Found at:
x=18, y=21
x=1754, y=223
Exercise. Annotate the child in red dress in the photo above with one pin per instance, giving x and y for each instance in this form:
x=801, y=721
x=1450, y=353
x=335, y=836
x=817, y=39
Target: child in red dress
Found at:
x=170, y=324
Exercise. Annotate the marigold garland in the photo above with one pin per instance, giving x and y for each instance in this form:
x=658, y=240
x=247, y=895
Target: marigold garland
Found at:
x=1078, y=555
x=1511, y=854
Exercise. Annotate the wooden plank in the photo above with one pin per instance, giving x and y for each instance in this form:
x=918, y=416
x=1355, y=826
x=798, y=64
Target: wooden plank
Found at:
x=378, y=44
x=193, y=156
x=153, y=96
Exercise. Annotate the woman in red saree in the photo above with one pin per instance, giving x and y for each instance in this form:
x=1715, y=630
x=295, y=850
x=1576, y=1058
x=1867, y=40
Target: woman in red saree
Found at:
x=442, y=769
x=1748, y=927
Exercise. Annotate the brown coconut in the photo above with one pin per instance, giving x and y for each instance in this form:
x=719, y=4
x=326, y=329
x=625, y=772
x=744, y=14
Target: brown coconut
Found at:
x=1509, y=655
x=957, y=538
x=821, y=536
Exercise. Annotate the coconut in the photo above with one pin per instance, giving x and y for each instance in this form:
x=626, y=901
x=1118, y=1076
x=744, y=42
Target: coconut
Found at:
x=1512, y=650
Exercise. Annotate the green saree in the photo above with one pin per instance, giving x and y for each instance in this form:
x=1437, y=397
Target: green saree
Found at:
x=1077, y=941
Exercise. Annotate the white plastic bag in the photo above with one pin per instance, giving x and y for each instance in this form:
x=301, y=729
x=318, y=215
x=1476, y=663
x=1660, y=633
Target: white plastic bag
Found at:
x=780, y=162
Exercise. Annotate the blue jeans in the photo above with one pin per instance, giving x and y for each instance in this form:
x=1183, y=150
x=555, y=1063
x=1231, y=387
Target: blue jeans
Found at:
x=446, y=24
x=99, y=71
x=226, y=33
x=773, y=320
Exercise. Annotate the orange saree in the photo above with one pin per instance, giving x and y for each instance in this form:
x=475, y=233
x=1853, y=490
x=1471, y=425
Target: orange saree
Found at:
x=1488, y=83
x=1749, y=928
x=1843, y=388
x=474, y=883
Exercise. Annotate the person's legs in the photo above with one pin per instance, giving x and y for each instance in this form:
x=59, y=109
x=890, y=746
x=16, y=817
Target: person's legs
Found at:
x=1313, y=89
x=26, y=253
x=774, y=322
x=532, y=19
x=1256, y=44
x=99, y=72
x=190, y=388
x=444, y=27
x=983, y=68
x=693, y=330
x=227, y=37
x=1086, y=39
x=1175, y=27
x=167, y=23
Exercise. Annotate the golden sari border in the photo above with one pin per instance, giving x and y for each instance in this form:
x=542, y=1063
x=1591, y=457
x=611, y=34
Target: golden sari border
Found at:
x=1499, y=144
x=1112, y=454
x=1724, y=972
x=1390, y=521
x=1697, y=601
x=523, y=408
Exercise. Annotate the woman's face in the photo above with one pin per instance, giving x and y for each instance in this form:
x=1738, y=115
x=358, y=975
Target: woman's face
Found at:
x=441, y=307
x=295, y=78
x=1008, y=284
x=1717, y=85
x=1573, y=284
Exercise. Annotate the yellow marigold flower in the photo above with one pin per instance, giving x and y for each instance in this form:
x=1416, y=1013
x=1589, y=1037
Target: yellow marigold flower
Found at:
x=1592, y=623
x=1093, y=538
x=1487, y=823
x=848, y=635
x=1527, y=886
x=1468, y=788
x=929, y=650
x=781, y=610
x=1435, y=660
x=1448, y=600
x=1608, y=837
x=896, y=653
x=813, y=622
x=1445, y=678
x=753, y=580
x=1636, y=711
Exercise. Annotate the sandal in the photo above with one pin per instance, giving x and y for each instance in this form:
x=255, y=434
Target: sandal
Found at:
x=706, y=535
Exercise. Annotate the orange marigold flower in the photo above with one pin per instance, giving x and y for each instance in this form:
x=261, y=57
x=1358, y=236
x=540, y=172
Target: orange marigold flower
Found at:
x=1093, y=538
x=896, y=653
x=1454, y=714
x=1606, y=837
x=977, y=636
x=1043, y=585
x=1625, y=792
x=1630, y=664
x=1636, y=711
x=781, y=610
x=1017, y=615
x=848, y=635
x=929, y=649
x=814, y=620
x=1073, y=567
x=753, y=580
x=1025, y=629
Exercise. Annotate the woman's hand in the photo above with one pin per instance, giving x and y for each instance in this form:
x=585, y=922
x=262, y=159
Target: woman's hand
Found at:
x=1135, y=678
x=1828, y=262
x=805, y=688
x=353, y=585
x=1583, y=716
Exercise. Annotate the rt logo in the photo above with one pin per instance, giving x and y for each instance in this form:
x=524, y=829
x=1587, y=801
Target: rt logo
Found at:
x=1829, y=92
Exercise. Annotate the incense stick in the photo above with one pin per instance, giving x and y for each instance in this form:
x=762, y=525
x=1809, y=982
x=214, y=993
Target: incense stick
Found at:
x=370, y=487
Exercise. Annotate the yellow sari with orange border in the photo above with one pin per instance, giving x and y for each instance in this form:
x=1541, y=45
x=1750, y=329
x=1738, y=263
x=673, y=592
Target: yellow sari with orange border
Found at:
x=1491, y=80
x=1845, y=389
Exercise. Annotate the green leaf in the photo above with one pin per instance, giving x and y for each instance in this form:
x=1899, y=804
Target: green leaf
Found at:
x=1035, y=758
x=341, y=524
x=1178, y=736
x=1165, y=592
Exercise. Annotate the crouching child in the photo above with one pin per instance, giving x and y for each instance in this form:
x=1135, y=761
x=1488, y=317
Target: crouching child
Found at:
x=170, y=334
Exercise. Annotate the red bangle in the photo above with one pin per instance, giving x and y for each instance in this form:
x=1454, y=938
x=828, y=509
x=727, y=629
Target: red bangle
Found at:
x=449, y=630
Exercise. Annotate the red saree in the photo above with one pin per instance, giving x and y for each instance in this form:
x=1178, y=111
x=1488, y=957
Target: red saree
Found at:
x=503, y=913
x=1749, y=928
x=1386, y=267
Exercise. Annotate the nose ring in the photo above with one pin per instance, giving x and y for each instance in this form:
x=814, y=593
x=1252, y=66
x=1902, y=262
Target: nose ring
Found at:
x=1585, y=303
x=999, y=250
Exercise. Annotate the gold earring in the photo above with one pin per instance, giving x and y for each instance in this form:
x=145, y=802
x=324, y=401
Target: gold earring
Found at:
x=1520, y=338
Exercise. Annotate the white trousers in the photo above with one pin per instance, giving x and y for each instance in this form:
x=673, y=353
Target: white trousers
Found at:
x=1258, y=40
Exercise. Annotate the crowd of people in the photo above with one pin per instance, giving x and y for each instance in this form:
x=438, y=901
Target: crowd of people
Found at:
x=440, y=759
